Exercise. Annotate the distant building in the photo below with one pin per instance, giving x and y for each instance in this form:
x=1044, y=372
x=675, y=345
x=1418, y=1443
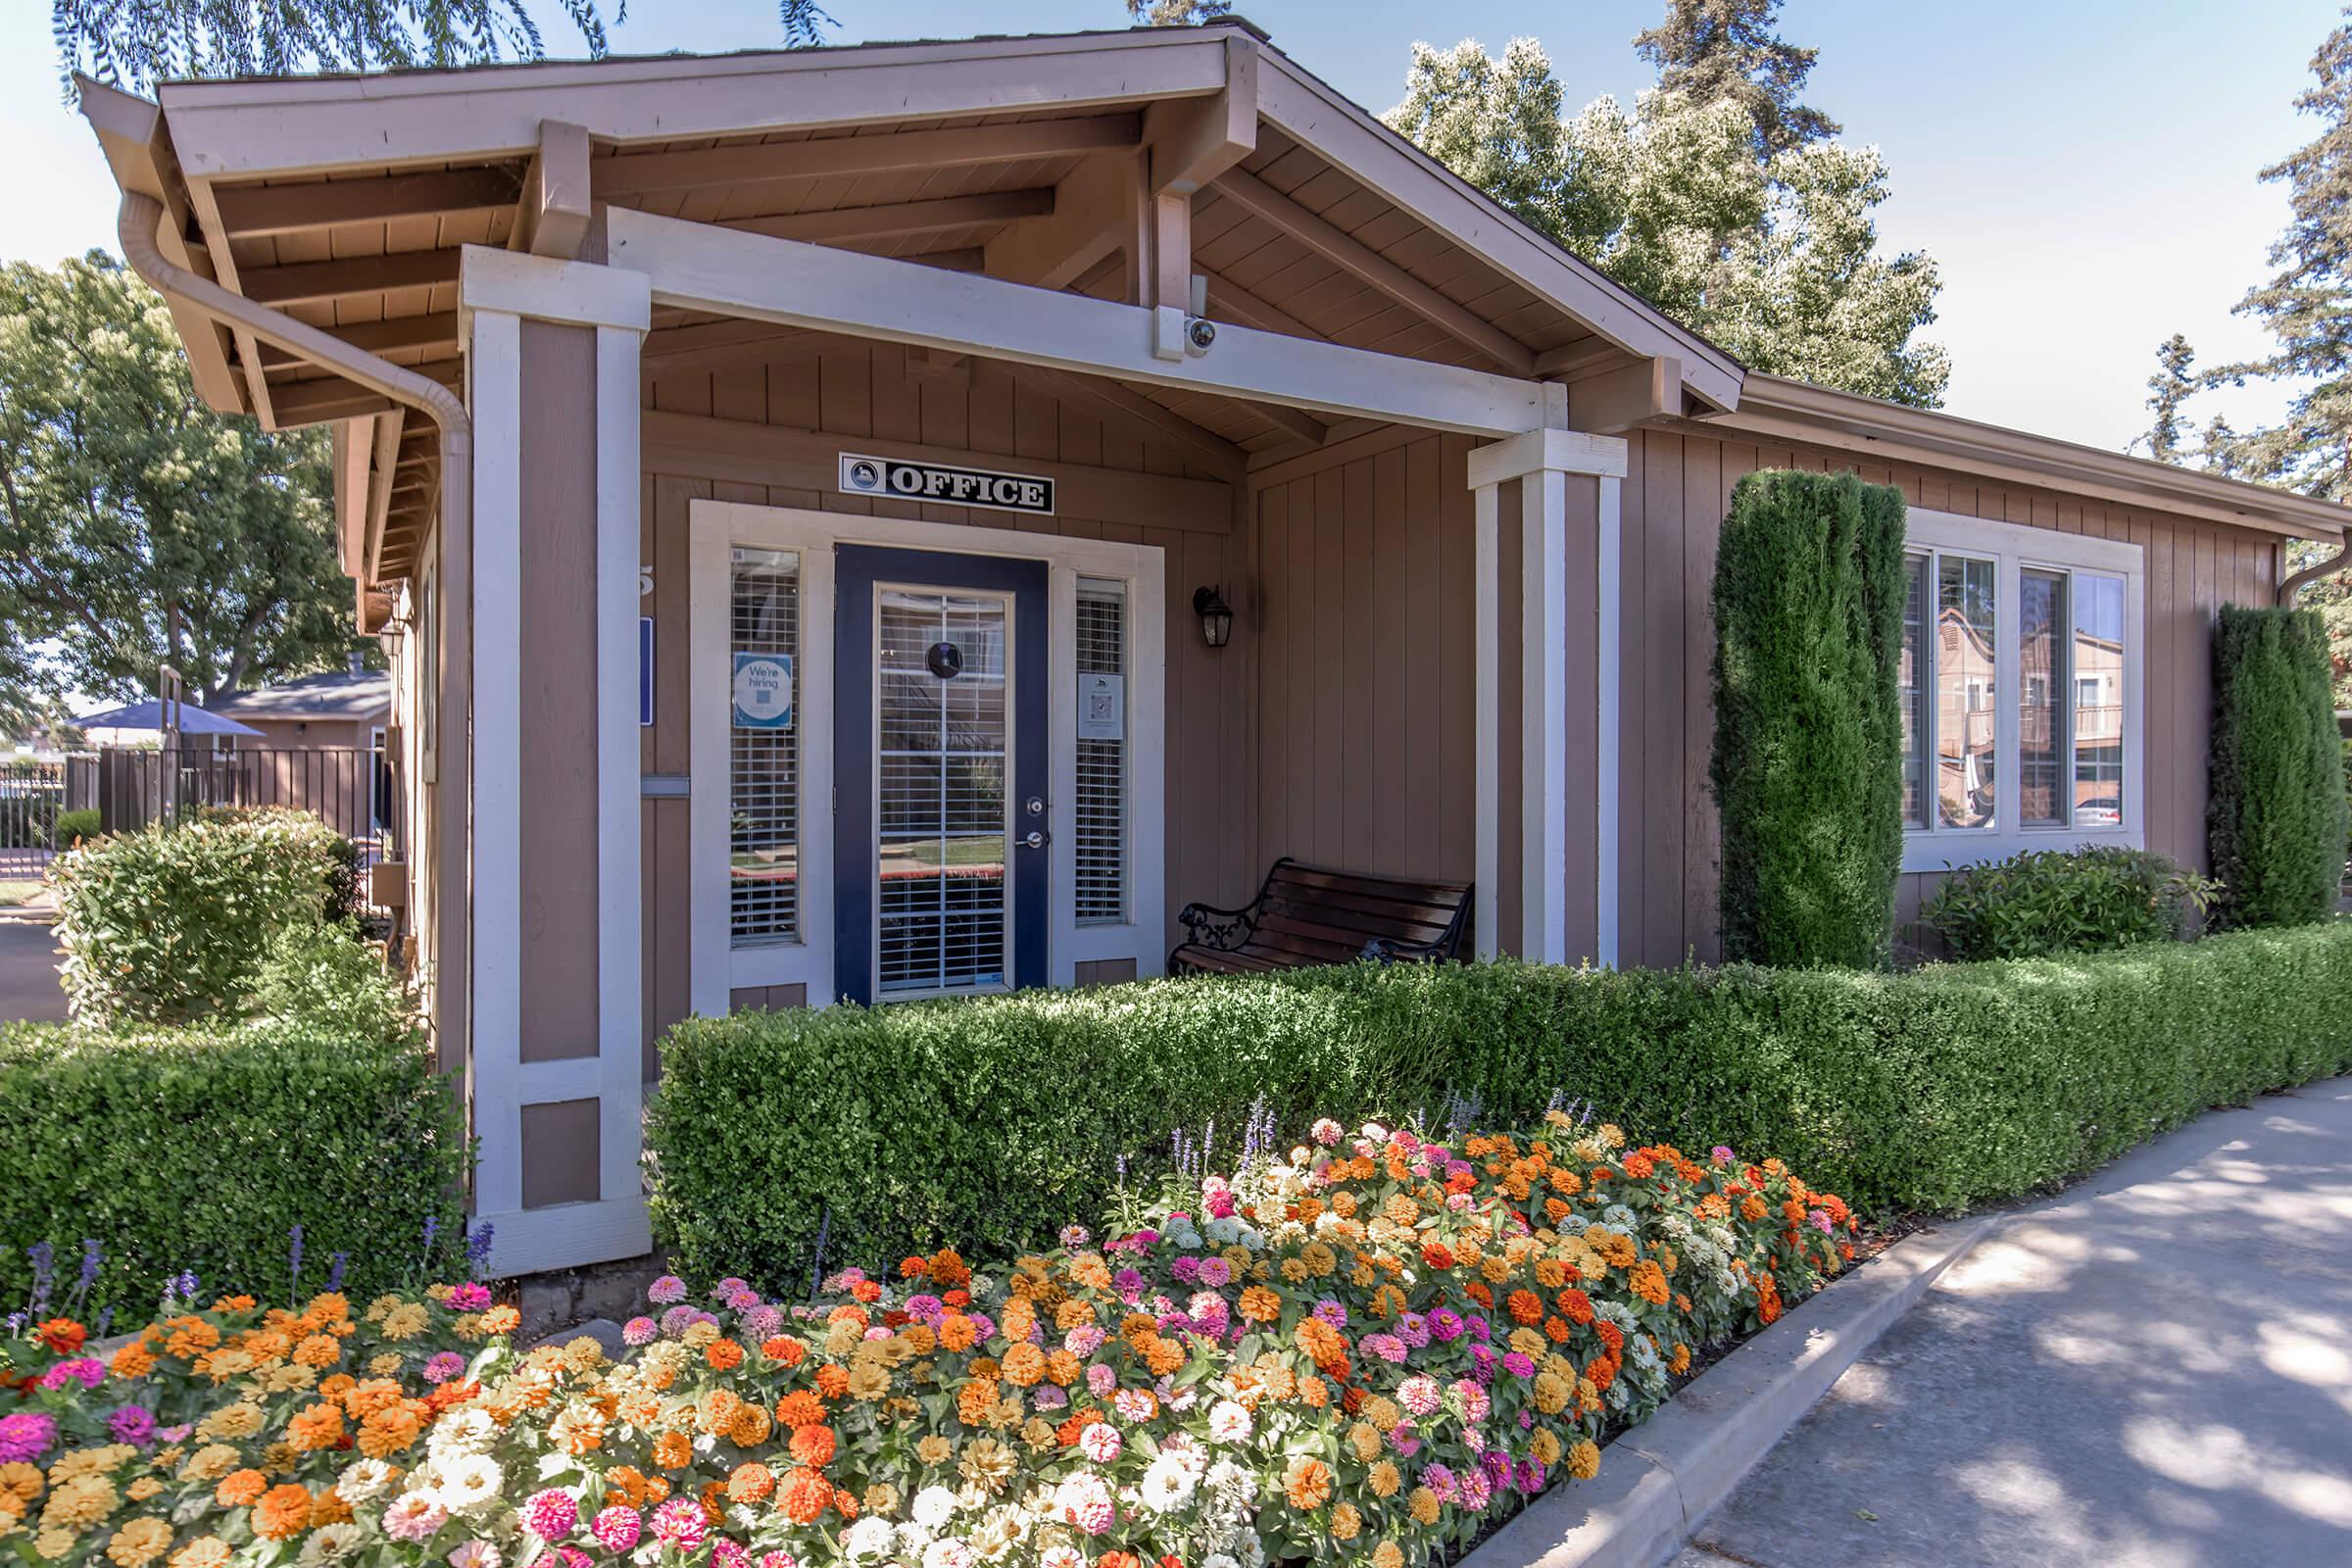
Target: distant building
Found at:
x=347, y=707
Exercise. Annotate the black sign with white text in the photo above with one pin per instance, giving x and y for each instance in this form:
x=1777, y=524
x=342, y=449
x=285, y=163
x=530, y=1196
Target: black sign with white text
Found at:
x=945, y=486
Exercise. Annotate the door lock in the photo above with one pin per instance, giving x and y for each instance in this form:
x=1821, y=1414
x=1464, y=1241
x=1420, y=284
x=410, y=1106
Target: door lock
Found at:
x=1037, y=806
x=1037, y=839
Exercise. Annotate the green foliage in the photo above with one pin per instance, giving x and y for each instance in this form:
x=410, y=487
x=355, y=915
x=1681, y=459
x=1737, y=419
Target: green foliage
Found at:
x=990, y=1124
x=81, y=824
x=1760, y=236
x=328, y=979
x=1177, y=13
x=171, y=923
x=2277, y=818
x=200, y=1150
x=144, y=41
x=1807, y=765
x=2045, y=902
x=136, y=525
x=1706, y=50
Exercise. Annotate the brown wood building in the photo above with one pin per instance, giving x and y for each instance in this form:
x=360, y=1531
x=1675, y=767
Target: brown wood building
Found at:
x=889, y=407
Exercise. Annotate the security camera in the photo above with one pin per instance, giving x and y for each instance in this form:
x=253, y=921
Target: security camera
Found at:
x=1199, y=335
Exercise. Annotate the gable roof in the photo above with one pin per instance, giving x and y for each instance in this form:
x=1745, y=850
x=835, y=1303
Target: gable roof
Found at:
x=334, y=695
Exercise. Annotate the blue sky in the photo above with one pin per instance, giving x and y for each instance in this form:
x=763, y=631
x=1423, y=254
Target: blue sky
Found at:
x=2083, y=169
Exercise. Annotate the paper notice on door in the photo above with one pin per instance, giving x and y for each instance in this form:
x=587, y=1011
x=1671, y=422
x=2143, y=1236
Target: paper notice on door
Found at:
x=1101, y=708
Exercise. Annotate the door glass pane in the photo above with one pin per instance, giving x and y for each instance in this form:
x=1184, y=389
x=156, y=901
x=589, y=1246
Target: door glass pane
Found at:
x=2041, y=701
x=942, y=750
x=1913, y=686
x=1966, y=730
x=763, y=758
x=2098, y=695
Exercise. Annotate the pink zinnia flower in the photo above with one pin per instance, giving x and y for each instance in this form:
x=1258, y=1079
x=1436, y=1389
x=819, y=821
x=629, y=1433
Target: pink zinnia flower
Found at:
x=1101, y=1441
x=682, y=1523
x=667, y=1290
x=1325, y=1132
x=1073, y=1236
x=1084, y=1501
x=26, y=1436
x=1101, y=1380
x=552, y=1514
x=1420, y=1395
x=415, y=1517
x=618, y=1528
x=1721, y=1154
x=468, y=1298
x=779, y=1559
x=475, y=1554
x=729, y=1552
x=444, y=1366
x=640, y=1331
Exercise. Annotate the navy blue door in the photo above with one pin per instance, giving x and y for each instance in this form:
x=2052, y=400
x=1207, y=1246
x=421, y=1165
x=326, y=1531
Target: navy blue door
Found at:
x=939, y=773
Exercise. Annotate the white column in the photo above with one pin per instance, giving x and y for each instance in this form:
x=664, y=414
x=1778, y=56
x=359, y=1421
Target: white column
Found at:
x=498, y=292
x=1547, y=462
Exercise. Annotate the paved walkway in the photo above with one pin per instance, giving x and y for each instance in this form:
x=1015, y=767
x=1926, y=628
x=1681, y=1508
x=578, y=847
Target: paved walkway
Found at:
x=2153, y=1370
x=29, y=985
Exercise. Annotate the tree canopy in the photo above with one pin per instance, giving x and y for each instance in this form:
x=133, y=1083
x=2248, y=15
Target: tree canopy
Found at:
x=136, y=526
x=139, y=42
x=1759, y=234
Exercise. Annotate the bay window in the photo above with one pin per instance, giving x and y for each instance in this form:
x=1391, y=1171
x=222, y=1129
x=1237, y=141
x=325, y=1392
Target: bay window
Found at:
x=2019, y=685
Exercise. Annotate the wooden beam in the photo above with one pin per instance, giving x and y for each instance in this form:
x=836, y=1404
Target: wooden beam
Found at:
x=737, y=451
x=628, y=174
x=300, y=281
x=252, y=210
x=895, y=219
x=551, y=215
x=1375, y=271
x=1209, y=449
x=434, y=329
x=1582, y=357
x=1297, y=424
x=1191, y=141
x=1615, y=401
x=702, y=268
x=1094, y=214
x=298, y=402
x=673, y=342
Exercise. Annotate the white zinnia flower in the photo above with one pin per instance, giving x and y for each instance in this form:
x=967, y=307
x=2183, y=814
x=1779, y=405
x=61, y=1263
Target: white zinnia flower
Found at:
x=362, y=1479
x=467, y=1480
x=933, y=1506
x=329, y=1542
x=869, y=1536
x=467, y=1431
x=948, y=1553
x=1229, y=1422
x=1166, y=1486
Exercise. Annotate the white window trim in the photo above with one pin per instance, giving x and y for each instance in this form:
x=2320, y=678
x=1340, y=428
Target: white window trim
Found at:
x=2013, y=547
x=716, y=967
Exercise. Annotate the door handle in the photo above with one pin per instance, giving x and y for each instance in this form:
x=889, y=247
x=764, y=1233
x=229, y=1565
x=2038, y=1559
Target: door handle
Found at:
x=1037, y=839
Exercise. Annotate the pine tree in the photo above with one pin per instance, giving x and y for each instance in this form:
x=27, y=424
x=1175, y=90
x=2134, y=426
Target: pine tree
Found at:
x=1177, y=13
x=2168, y=389
x=1712, y=50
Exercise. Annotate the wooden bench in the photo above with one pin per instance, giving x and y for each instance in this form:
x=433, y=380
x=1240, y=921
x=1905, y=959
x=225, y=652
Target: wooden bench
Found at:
x=1308, y=916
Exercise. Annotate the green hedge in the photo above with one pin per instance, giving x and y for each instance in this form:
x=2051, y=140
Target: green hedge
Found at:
x=172, y=924
x=2277, y=817
x=201, y=1150
x=1807, y=763
x=991, y=1123
x=2039, y=903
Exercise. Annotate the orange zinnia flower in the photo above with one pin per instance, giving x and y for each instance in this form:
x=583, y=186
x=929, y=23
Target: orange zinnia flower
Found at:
x=283, y=1510
x=1306, y=1483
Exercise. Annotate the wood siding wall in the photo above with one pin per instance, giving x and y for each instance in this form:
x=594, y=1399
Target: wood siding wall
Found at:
x=1136, y=487
x=1365, y=691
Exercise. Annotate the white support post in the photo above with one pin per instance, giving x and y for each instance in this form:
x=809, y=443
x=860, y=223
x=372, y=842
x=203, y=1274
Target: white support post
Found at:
x=498, y=293
x=1544, y=715
x=1556, y=918
x=1486, y=897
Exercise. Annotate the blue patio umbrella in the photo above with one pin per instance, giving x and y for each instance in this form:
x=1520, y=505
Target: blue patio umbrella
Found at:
x=149, y=715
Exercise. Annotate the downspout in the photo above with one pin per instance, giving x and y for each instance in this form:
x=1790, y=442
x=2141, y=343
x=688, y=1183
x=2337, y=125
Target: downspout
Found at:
x=136, y=226
x=2310, y=574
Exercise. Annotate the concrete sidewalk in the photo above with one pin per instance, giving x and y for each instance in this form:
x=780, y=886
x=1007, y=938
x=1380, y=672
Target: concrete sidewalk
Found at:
x=2153, y=1369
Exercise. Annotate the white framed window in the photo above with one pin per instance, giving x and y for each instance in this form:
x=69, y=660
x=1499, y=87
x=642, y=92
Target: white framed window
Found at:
x=1099, y=820
x=2020, y=684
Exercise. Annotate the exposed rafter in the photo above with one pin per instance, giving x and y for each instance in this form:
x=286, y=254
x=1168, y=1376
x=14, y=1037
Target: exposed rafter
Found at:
x=1234, y=303
x=299, y=281
x=436, y=329
x=248, y=210
x=1375, y=271
x=1210, y=450
x=551, y=215
x=895, y=218
x=631, y=174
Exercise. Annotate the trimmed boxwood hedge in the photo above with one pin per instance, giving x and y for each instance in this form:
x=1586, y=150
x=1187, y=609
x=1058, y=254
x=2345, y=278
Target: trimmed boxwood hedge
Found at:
x=201, y=1150
x=991, y=1123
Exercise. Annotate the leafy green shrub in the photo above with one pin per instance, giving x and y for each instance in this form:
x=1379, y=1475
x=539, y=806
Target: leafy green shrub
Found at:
x=1807, y=765
x=200, y=1149
x=987, y=1124
x=2276, y=820
x=2045, y=902
x=328, y=978
x=81, y=823
x=170, y=923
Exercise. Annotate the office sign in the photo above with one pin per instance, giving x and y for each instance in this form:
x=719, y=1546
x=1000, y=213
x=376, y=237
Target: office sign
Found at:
x=942, y=484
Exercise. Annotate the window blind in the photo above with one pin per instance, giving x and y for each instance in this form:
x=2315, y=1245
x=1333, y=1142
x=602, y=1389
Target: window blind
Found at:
x=763, y=765
x=1099, y=818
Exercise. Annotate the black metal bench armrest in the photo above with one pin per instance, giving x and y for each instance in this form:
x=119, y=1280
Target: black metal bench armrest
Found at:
x=1385, y=950
x=1208, y=926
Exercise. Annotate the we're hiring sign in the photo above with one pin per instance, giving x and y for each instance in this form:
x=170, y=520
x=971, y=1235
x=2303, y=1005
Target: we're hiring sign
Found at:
x=945, y=485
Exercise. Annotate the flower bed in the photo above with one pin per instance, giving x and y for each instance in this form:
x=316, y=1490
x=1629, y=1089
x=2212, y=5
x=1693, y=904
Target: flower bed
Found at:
x=1376, y=1348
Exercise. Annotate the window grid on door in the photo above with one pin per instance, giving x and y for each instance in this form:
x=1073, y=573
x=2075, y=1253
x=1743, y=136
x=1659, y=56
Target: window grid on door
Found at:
x=763, y=765
x=1098, y=818
x=942, y=750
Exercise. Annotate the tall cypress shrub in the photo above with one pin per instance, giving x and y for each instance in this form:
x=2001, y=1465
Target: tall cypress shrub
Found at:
x=2275, y=821
x=1807, y=765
